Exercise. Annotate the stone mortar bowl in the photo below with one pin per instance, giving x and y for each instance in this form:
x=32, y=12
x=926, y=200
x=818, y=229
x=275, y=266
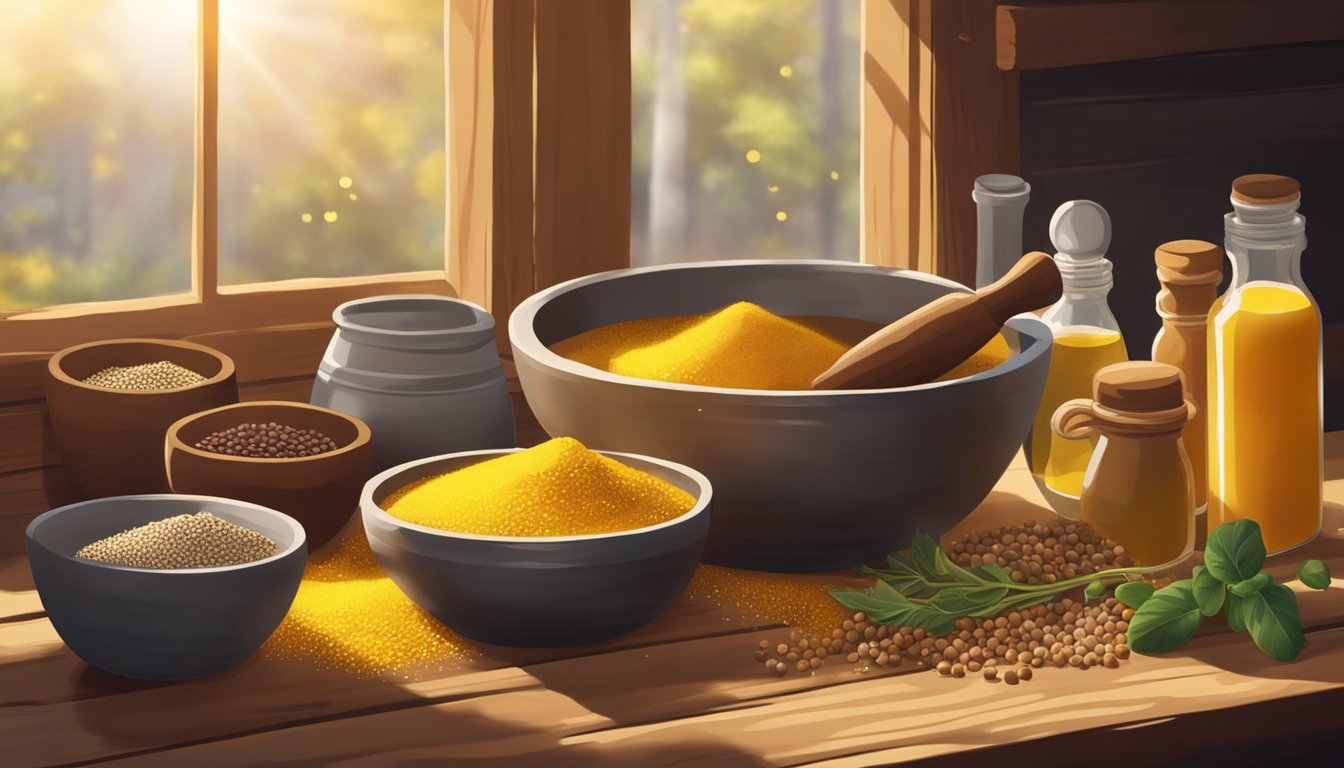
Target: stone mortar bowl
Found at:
x=538, y=591
x=162, y=624
x=803, y=481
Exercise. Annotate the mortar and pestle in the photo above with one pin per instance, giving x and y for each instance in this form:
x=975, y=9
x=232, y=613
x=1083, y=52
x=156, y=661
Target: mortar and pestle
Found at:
x=815, y=479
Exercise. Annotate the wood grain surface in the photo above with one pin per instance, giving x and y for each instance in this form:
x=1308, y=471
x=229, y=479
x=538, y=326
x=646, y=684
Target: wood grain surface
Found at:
x=682, y=691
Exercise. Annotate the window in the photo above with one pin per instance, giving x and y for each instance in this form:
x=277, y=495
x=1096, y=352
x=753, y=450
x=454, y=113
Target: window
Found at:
x=97, y=106
x=331, y=138
x=745, y=120
x=171, y=148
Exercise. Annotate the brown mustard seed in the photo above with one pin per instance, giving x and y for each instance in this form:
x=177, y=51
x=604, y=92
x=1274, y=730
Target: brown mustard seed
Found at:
x=1010, y=677
x=991, y=673
x=267, y=440
x=1024, y=673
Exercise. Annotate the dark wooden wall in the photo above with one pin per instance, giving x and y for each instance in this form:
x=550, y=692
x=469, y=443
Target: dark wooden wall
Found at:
x=1158, y=142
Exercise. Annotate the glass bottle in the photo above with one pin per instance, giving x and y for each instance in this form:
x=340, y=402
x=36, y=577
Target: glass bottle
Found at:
x=1189, y=272
x=1000, y=201
x=1138, y=489
x=1266, y=427
x=1087, y=338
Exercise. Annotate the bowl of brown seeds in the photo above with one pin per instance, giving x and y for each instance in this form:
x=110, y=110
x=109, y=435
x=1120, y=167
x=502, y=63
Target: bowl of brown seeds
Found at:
x=111, y=402
x=304, y=460
x=165, y=586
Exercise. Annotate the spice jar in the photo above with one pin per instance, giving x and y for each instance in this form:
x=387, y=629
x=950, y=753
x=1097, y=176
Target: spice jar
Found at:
x=1138, y=488
x=1189, y=271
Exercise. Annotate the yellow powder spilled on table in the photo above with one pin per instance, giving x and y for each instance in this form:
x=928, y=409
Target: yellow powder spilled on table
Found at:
x=348, y=615
x=742, y=346
x=558, y=488
x=773, y=598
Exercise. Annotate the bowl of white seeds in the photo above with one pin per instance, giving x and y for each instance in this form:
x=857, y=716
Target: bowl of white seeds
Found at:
x=165, y=586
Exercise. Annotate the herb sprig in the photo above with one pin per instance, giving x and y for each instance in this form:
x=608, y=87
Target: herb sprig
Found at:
x=923, y=588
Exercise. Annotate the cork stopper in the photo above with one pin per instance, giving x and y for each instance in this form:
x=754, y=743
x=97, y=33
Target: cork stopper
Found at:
x=1265, y=189
x=1138, y=386
x=1189, y=258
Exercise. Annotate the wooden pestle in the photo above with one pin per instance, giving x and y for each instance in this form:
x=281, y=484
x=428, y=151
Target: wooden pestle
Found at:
x=935, y=338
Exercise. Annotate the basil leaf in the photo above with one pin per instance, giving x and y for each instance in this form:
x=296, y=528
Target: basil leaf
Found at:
x=1275, y=624
x=1167, y=620
x=1252, y=585
x=1095, y=589
x=1235, y=551
x=971, y=601
x=1236, y=613
x=1314, y=574
x=1209, y=591
x=907, y=583
x=1134, y=593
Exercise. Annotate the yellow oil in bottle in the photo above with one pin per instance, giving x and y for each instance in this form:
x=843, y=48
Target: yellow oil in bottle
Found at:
x=1264, y=413
x=1079, y=352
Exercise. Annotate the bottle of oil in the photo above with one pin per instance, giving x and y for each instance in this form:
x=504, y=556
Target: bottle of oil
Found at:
x=1265, y=391
x=1087, y=338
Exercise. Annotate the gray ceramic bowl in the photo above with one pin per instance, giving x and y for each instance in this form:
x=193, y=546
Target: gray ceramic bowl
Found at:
x=162, y=625
x=803, y=481
x=544, y=591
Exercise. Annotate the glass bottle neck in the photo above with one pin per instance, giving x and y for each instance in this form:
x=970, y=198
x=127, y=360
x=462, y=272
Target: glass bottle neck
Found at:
x=1265, y=243
x=1083, y=302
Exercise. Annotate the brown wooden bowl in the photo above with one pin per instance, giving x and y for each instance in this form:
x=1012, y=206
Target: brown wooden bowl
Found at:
x=111, y=440
x=321, y=492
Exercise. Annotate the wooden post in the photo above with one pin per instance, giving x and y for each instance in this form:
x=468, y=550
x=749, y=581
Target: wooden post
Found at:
x=205, y=194
x=469, y=42
x=937, y=112
x=514, y=277
x=582, y=138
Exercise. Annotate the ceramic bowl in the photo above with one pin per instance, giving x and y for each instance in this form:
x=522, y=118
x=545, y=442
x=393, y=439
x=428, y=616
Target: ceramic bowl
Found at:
x=111, y=440
x=803, y=480
x=543, y=591
x=321, y=492
x=161, y=624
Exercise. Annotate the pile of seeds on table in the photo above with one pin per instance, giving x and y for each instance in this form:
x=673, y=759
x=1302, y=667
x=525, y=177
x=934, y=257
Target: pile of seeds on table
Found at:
x=201, y=540
x=149, y=376
x=267, y=440
x=1065, y=633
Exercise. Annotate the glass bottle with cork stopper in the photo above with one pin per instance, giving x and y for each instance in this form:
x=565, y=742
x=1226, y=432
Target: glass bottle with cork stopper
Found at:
x=1087, y=338
x=1266, y=430
x=1189, y=271
x=1138, y=489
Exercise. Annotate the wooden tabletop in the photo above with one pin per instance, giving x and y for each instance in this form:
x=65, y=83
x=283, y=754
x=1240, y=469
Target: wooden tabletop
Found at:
x=686, y=691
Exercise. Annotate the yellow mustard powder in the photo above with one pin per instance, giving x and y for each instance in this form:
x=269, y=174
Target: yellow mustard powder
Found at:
x=558, y=488
x=773, y=598
x=348, y=615
x=742, y=346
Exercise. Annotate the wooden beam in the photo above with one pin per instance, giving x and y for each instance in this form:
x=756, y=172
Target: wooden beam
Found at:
x=469, y=59
x=582, y=138
x=513, y=252
x=936, y=114
x=205, y=198
x=1075, y=34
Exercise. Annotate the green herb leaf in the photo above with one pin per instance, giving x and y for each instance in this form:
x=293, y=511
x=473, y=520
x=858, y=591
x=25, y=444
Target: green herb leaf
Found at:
x=1209, y=591
x=992, y=572
x=1235, y=551
x=1252, y=585
x=1314, y=574
x=924, y=552
x=908, y=582
x=1167, y=620
x=1134, y=593
x=1095, y=590
x=971, y=601
x=1236, y=613
x=1275, y=624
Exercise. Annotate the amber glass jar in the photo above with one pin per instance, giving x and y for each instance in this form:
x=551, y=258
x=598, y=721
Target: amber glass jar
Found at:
x=1138, y=488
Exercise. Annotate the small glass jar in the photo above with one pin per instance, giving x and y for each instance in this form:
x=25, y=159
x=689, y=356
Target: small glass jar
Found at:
x=1138, y=489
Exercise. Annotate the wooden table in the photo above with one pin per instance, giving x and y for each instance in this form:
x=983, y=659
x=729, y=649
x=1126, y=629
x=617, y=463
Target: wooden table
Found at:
x=685, y=691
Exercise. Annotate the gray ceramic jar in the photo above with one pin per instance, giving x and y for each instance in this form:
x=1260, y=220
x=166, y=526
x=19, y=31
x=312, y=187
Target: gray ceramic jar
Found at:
x=422, y=371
